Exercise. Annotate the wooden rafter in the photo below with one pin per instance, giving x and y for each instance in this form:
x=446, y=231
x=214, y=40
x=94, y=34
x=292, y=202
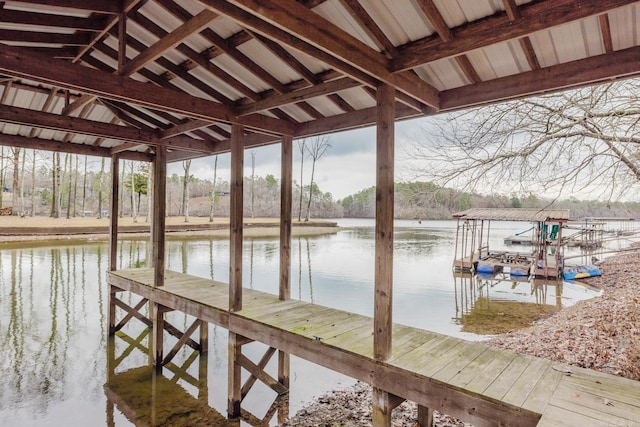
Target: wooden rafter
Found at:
x=97, y=6
x=22, y=18
x=535, y=16
x=513, y=13
x=605, y=30
x=291, y=23
x=589, y=71
x=369, y=25
x=21, y=36
x=16, y=62
x=23, y=116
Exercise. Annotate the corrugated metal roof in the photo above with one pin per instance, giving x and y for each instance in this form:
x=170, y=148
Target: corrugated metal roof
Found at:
x=514, y=214
x=466, y=54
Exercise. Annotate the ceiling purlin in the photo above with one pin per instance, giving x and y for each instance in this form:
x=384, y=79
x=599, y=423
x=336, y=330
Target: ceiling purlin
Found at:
x=53, y=93
x=605, y=30
x=17, y=62
x=432, y=13
x=20, y=36
x=195, y=59
x=167, y=42
x=20, y=17
x=58, y=146
x=99, y=6
x=128, y=6
x=498, y=28
x=621, y=64
x=376, y=34
x=513, y=13
x=223, y=45
x=292, y=24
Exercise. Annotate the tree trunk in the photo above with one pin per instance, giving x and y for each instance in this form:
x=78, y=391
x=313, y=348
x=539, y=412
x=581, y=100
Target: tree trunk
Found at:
x=185, y=190
x=121, y=182
x=313, y=169
x=301, y=146
x=134, y=213
x=16, y=176
x=150, y=192
x=54, y=188
x=84, y=186
x=69, y=162
x=33, y=185
x=213, y=190
x=58, y=199
x=100, y=189
x=253, y=181
x=75, y=188
x=1, y=176
x=24, y=161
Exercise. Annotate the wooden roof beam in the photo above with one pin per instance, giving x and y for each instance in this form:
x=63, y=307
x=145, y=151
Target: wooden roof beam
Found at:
x=40, y=119
x=605, y=29
x=18, y=63
x=98, y=6
x=291, y=23
x=621, y=64
x=535, y=16
x=171, y=40
x=372, y=29
x=513, y=13
x=19, y=17
x=59, y=146
x=21, y=36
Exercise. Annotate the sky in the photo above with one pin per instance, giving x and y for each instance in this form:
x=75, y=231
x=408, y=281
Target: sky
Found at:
x=346, y=168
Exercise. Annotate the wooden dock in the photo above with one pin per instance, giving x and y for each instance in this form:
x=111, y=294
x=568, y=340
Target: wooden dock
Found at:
x=472, y=381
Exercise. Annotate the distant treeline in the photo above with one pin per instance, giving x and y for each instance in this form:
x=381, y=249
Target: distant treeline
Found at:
x=425, y=200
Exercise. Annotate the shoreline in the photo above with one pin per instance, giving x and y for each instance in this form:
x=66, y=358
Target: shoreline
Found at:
x=602, y=333
x=43, y=229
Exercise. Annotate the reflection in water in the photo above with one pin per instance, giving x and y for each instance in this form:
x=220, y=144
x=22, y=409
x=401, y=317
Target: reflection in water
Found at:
x=53, y=314
x=501, y=303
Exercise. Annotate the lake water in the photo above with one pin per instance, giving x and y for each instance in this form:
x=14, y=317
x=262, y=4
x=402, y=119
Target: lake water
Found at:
x=55, y=355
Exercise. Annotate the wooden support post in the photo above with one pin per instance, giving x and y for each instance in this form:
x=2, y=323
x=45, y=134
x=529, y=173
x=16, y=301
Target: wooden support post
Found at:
x=383, y=301
x=204, y=336
x=425, y=416
x=234, y=389
x=286, y=195
x=113, y=213
x=235, y=220
x=159, y=210
x=111, y=316
x=157, y=342
x=381, y=408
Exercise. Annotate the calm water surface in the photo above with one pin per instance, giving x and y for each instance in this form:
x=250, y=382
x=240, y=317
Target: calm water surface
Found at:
x=59, y=368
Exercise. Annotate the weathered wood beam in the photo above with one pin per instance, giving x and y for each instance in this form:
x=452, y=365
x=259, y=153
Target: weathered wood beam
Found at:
x=19, y=17
x=383, y=281
x=620, y=64
x=158, y=221
x=113, y=214
x=126, y=7
x=291, y=23
x=235, y=220
x=298, y=95
x=59, y=146
x=21, y=36
x=171, y=40
x=513, y=13
x=370, y=26
x=605, y=29
x=16, y=62
x=97, y=6
x=26, y=117
x=286, y=197
x=535, y=16
x=429, y=8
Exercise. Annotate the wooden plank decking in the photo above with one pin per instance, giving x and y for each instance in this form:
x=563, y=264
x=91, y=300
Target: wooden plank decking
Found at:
x=477, y=383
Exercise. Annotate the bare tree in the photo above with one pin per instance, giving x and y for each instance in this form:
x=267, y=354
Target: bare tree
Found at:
x=84, y=186
x=2, y=182
x=134, y=211
x=186, y=165
x=316, y=149
x=213, y=189
x=33, y=183
x=302, y=143
x=582, y=141
x=16, y=179
x=100, y=185
x=253, y=181
x=58, y=179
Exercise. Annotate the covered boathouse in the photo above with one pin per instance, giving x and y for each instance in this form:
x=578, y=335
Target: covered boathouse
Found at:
x=167, y=80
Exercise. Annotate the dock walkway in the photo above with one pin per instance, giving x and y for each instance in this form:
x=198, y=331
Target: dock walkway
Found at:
x=472, y=381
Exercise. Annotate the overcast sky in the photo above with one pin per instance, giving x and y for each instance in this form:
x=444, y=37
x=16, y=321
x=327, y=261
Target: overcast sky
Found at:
x=346, y=168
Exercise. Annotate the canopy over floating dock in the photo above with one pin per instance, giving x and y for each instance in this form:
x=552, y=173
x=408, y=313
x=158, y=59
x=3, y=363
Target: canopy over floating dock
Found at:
x=472, y=241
